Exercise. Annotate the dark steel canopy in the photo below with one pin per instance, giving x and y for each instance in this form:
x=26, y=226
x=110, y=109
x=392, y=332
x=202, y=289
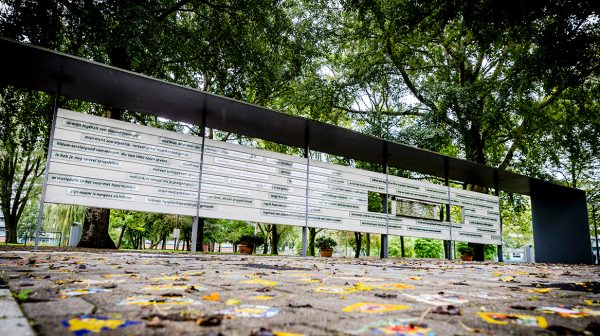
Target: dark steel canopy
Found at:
x=33, y=67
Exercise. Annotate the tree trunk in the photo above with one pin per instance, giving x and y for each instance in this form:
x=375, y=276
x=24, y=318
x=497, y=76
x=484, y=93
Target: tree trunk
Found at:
x=10, y=224
x=368, y=244
x=402, y=246
x=478, y=251
x=121, y=236
x=200, y=236
x=312, y=235
x=96, y=223
x=95, y=229
x=357, y=240
x=274, y=239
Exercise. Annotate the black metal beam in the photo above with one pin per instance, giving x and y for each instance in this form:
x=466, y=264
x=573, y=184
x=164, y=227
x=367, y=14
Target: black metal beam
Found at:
x=32, y=67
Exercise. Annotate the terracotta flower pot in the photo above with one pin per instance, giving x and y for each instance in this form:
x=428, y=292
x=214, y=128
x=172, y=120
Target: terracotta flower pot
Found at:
x=244, y=249
x=326, y=252
x=465, y=257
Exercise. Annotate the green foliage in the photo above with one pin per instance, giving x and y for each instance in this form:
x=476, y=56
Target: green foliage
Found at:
x=395, y=248
x=325, y=242
x=517, y=229
x=23, y=294
x=490, y=252
x=251, y=240
x=24, y=120
x=464, y=249
x=428, y=248
x=59, y=217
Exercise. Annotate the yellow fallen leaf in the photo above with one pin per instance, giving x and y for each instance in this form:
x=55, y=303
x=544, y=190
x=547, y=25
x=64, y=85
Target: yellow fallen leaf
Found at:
x=508, y=278
x=497, y=274
x=232, y=302
x=362, y=287
x=540, y=290
x=414, y=278
x=260, y=282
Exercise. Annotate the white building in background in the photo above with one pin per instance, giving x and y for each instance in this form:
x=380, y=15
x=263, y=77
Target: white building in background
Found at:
x=595, y=248
x=522, y=254
x=2, y=228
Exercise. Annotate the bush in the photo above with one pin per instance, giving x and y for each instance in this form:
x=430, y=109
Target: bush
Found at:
x=251, y=240
x=325, y=242
x=428, y=248
x=465, y=249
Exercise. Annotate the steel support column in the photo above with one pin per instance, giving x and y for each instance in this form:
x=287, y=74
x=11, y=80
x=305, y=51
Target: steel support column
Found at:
x=384, y=237
x=199, y=200
x=448, y=251
x=40, y=215
x=497, y=193
x=307, y=156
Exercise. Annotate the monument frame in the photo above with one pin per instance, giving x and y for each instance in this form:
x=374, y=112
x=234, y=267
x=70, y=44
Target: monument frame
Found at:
x=560, y=223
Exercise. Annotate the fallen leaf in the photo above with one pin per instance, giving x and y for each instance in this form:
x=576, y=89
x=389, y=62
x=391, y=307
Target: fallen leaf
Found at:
x=232, y=302
x=447, y=310
x=386, y=296
x=210, y=320
x=212, y=297
x=155, y=322
x=262, y=332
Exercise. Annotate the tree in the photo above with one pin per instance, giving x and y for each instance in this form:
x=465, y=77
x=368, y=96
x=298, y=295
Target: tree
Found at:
x=247, y=50
x=473, y=79
x=24, y=120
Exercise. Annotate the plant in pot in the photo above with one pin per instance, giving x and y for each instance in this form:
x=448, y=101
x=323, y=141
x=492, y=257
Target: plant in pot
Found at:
x=247, y=243
x=466, y=252
x=325, y=245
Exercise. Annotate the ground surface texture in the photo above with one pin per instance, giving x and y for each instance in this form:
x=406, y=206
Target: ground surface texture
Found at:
x=124, y=293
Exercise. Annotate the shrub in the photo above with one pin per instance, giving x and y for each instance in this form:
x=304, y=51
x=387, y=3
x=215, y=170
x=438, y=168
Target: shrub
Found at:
x=465, y=250
x=325, y=242
x=428, y=248
x=251, y=240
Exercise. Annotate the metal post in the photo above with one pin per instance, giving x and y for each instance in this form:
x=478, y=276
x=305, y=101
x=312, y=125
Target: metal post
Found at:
x=199, y=201
x=384, y=237
x=497, y=193
x=307, y=156
x=47, y=168
x=448, y=251
x=596, y=234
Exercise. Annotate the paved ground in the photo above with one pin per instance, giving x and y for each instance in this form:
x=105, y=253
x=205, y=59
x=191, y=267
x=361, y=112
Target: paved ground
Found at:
x=75, y=293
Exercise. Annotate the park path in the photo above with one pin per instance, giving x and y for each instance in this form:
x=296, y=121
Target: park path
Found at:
x=123, y=293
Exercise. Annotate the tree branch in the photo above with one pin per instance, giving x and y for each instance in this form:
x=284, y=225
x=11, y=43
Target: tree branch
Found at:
x=175, y=7
x=411, y=112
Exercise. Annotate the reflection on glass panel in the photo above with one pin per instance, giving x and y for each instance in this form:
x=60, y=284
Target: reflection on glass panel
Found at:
x=412, y=208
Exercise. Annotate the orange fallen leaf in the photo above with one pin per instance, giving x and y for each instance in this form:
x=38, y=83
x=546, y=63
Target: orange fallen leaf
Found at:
x=212, y=297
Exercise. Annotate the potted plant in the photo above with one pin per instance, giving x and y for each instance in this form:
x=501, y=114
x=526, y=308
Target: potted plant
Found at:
x=247, y=243
x=466, y=252
x=325, y=245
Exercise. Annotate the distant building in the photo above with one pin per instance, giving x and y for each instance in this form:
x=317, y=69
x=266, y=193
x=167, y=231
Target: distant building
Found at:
x=2, y=228
x=595, y=248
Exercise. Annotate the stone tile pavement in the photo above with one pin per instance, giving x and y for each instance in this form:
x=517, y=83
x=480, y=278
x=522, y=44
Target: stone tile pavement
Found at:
x=121, y=293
